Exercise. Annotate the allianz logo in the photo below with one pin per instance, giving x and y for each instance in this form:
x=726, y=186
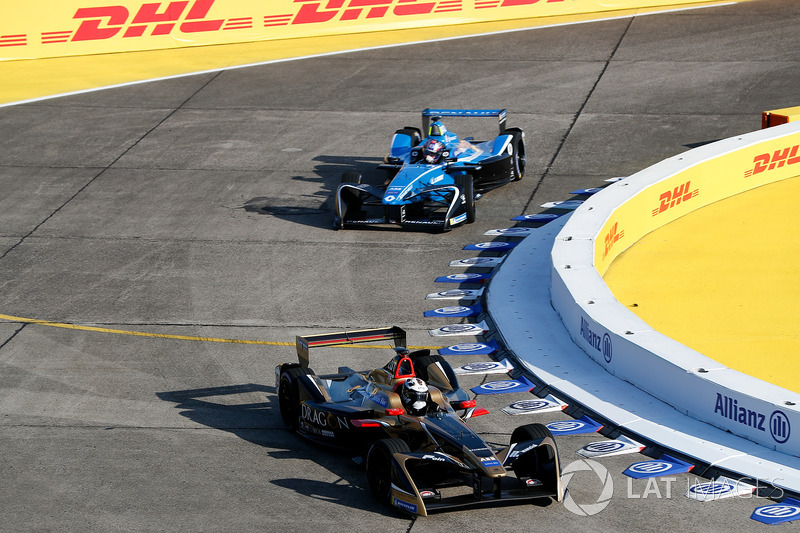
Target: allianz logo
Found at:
x=602, y=344
x=777, y=424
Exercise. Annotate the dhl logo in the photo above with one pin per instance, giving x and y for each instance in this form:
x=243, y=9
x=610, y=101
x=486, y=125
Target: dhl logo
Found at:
x=192, y=16
x=679, y=194
x=313, y=11
x=611, y=238
x=777, y=159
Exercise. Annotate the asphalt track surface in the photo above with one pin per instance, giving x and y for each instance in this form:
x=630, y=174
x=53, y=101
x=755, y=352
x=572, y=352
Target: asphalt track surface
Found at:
x=200, y=207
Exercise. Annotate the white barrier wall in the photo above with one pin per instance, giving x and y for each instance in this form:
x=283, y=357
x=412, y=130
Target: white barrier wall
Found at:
x=624, y=345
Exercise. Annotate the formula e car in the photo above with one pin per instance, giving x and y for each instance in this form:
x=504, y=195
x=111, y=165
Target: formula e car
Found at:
x=433, y=180
x=420, y=455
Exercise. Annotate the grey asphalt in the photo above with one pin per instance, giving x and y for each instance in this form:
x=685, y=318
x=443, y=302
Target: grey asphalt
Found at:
x=201, y=206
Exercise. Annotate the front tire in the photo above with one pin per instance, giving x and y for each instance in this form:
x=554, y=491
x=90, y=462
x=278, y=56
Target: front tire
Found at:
x=530, y=432
x=379, y=467
x=467, y=186
x=518, y=155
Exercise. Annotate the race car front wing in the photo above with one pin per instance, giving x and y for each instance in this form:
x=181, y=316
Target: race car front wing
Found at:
x=430, y=482
x=441, y=206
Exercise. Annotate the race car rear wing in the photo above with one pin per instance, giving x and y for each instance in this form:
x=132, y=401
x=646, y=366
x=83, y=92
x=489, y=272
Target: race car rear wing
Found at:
x=429, y=113
x=305, y=343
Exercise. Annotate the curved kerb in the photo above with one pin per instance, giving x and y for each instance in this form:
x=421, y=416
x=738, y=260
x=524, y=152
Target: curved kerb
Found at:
x=553, y=310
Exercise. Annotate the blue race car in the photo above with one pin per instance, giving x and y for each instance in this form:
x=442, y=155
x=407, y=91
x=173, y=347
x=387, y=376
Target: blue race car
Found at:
x=433, y=181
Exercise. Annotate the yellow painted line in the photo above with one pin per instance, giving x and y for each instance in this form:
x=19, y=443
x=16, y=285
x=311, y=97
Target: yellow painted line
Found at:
x=32, y=80
x=723, y=281
x=97, y=329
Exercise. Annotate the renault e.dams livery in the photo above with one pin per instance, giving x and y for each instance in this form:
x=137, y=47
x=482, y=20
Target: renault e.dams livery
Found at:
x=407, y=419
x=433, y=175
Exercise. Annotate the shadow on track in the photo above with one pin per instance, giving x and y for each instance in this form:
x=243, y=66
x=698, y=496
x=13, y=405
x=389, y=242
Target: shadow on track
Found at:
x=217, y=407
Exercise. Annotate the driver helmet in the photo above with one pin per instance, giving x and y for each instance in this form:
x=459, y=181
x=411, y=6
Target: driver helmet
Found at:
x=414, y=395
x=432, y=151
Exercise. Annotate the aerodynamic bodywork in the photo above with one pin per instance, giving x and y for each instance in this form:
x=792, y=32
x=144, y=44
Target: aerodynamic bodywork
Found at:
x=433, y=177
x=407, y=420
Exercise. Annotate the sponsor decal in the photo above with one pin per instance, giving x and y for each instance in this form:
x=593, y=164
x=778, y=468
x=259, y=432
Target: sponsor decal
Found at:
x=504, y=387
x=565, y=204
x=322, y=419
x=472, y=348
x=574, y=427
x=777, y=424
x=454, y=310
x=612, y=237
x=380, y=399
x=540, y=217
x=516, y=452
x=661, y=467
x=601, y=345
x=510, y=232
x=486, y=367
x=160, y=18
x=670, y=199
x=776, y=159
x=477, y=262
x=455, y=294
x=458, y=329
x=497, y=245
x=719, y=489
x=786, y=511
x=540, y=405
x=468, y=347
x=489, y=462
x=620, y=446
x=125, y=25
x=463, y=277
x=406, y=506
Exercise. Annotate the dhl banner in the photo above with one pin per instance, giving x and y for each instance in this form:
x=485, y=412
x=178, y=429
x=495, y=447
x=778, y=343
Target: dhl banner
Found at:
x=56, y=28
x=699, y=185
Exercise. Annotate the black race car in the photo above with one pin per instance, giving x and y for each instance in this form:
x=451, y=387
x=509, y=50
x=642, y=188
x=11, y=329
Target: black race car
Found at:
x=420, y=455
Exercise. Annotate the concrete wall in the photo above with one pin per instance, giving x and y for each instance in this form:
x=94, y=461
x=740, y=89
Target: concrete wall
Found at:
x=628, y=348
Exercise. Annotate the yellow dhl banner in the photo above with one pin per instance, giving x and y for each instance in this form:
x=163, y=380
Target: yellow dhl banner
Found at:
x=692, y=188
x=55, y=28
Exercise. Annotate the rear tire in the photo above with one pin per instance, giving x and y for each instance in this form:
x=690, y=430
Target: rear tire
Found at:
x=379, y=467
x=289, y=395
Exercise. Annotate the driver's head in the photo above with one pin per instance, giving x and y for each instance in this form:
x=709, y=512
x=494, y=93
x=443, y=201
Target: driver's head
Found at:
x=432, y=151
x=414, y=395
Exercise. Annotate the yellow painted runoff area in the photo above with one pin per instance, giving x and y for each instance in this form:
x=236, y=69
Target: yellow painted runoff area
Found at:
x=27, y=80
x=723, y=280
